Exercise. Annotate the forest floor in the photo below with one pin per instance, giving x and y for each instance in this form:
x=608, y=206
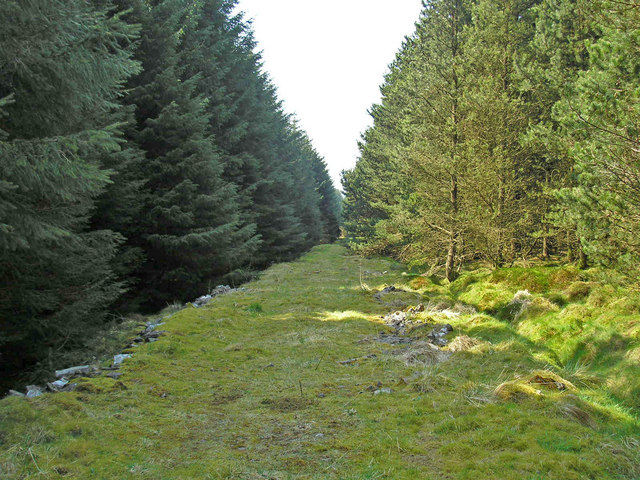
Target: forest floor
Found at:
x=298, y=377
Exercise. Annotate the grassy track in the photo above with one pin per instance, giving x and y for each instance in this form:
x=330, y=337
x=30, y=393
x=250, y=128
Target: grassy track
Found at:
x=251, y=387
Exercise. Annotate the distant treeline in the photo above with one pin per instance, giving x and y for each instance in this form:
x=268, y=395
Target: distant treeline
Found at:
x=144, y=158
x=508, y=129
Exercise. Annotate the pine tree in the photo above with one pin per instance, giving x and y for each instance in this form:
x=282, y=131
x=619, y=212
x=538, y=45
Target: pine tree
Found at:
x=546, y=72
x=330, y=199
x=436, y=159
x=64, y=65
x=414, y=151
x=373, y=188
x=217, y=49
x=600, y=119
x=500, y=165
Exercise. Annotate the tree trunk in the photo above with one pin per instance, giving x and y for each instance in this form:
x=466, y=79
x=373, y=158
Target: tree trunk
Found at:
x=545, y=243
x=453, y=238
x=584, y=260
x=451, y=256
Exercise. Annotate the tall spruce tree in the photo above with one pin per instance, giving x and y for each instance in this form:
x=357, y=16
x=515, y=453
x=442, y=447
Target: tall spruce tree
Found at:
x=252, y=131
x=189, y=228
x=329, y=197
x=63, y=67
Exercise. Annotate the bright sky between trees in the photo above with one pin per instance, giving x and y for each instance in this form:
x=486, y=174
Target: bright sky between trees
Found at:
x=328, y=59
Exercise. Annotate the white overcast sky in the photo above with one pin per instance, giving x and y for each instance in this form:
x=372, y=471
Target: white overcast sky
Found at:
x=328, y=59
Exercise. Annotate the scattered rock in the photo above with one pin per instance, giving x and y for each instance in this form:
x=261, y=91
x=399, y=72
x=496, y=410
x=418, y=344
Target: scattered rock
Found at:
x=34, y=391
x=436, y=336
x=118, y=359
x=150, y=334
x=397, y=321
x=319, y=435
x=154, y=335
x=397, y=298
x=14, y=393
x=74, y=371
x=58, y=385
x=375, y=387
x=383, y=390
x=384, y=291
x=203, y=300
x=394, y=339
x=114, y=375
x=219, y=290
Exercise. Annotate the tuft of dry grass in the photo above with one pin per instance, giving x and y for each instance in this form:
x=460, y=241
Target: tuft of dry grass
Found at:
x=550, y=380
x=423, y=353
x=578, y=413
x=463, y=343
x=516, y=390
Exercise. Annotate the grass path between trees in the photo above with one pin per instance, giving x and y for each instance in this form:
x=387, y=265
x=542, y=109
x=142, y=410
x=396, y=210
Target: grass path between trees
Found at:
x=252, y=386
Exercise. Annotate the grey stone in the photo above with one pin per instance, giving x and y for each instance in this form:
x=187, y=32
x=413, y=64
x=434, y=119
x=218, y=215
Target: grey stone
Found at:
x=219, y=290
x=14, y=393
x=383, y=390
x=154, y=334
x=394, y=339
x=436, y=336
x=33, y=391
x=384, y=291
x=118, y=359
x=58, y=385
x=70, y=372
x=114, y=375
x=399, y=321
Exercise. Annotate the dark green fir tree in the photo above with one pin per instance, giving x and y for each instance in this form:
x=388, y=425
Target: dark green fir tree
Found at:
x=189, y=228
x=63, y=67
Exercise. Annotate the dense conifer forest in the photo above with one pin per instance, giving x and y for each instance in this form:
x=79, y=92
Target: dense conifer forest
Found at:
x=144, y=158
x=508, y=130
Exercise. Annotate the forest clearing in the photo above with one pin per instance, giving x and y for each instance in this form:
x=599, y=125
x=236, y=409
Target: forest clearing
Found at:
x=298, y=376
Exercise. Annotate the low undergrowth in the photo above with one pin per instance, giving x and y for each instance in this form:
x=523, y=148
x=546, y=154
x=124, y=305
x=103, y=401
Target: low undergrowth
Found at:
x=290, y=380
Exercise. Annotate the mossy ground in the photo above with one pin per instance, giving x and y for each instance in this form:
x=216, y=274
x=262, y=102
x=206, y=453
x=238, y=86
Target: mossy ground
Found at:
x=251, y=387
